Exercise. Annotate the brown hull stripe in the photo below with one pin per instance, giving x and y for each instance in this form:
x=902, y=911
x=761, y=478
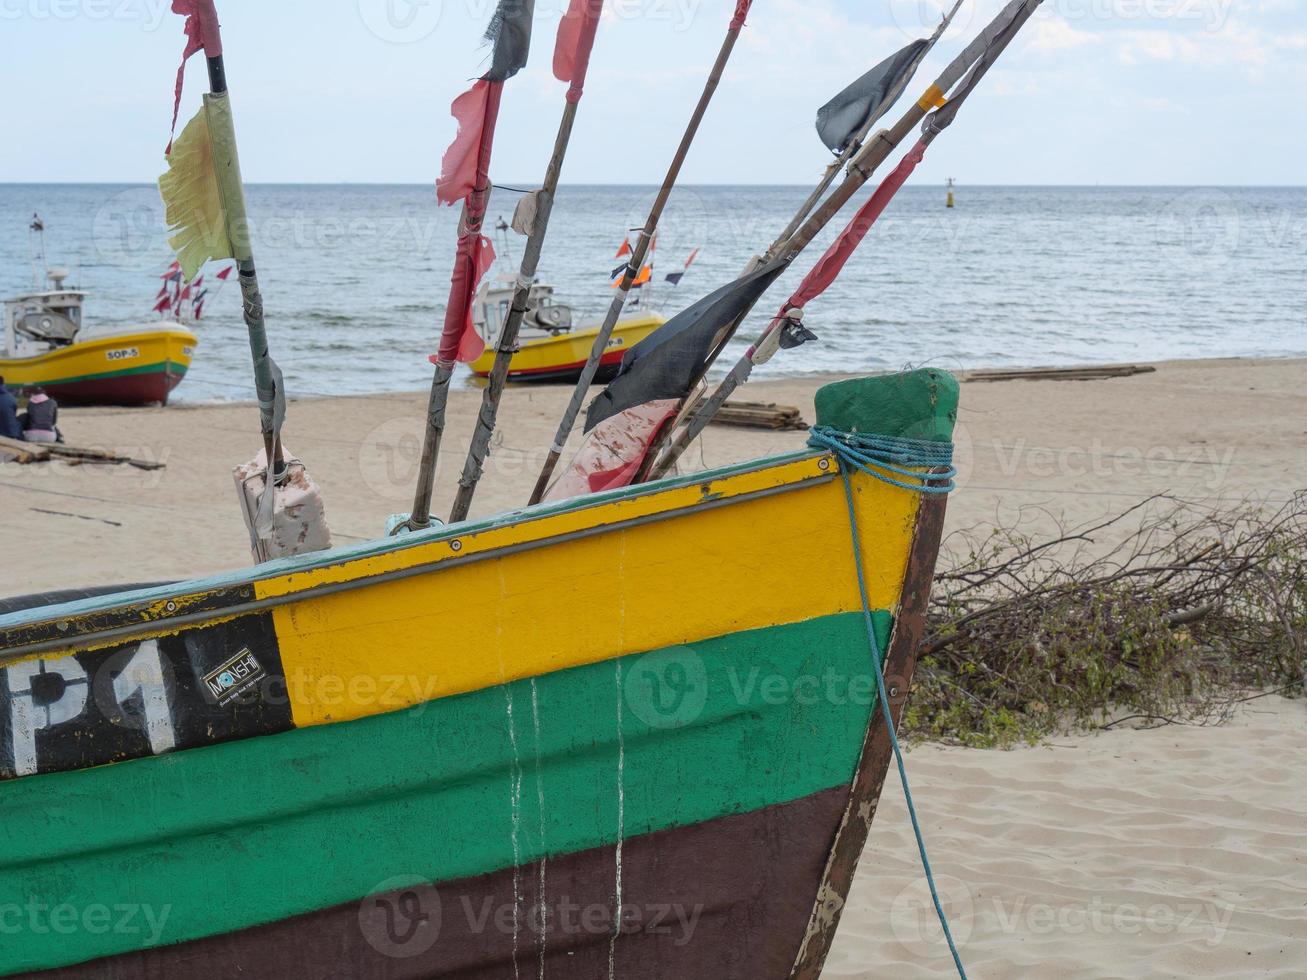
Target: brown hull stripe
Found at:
x=729, y=898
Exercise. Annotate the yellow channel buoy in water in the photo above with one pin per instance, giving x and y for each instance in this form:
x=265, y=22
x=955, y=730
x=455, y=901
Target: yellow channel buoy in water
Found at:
x=949, y=202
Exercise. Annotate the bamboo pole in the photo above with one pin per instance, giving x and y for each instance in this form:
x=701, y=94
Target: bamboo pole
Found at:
x=571, y=58
x=636, y=261
x=1006, y=25
x=507, y=344
x=267, y=377
x=470, y=224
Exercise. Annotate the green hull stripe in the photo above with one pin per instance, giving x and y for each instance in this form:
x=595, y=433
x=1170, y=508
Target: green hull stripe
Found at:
x=159, y=367
x=217, y=839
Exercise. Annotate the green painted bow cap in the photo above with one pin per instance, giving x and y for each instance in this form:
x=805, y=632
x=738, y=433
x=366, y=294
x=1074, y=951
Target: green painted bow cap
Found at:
x=921, y=404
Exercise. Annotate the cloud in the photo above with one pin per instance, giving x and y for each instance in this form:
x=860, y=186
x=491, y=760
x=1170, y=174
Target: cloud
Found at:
x=1058, y=35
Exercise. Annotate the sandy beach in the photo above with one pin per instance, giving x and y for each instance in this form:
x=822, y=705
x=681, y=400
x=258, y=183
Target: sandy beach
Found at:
x=1029, y=453
x=1176, y=851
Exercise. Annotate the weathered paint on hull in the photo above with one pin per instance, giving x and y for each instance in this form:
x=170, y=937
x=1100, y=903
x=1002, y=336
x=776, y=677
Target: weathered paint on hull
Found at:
x=721, y=900
x=259, y=829
x=551, y=734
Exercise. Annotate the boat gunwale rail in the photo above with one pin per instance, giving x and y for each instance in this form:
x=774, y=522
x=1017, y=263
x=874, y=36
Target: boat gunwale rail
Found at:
x=168, y=609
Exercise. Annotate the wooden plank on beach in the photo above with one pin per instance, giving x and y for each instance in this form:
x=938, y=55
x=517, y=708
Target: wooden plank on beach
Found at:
x=41, y=452
x=760, y=415
x=17, y=451
x=1061, y=374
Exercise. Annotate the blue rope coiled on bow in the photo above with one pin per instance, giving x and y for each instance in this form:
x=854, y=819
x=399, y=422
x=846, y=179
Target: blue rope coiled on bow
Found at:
x=891, y=459
x=909, y=464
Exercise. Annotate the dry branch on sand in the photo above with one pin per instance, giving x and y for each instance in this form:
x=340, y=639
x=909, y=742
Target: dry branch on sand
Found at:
x=1168, y=612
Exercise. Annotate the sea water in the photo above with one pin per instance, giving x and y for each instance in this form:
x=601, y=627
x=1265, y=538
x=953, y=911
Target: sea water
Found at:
x=355, y=277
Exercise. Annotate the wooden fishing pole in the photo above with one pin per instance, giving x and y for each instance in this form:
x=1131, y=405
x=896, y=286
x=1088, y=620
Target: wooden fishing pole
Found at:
x=980, y=53
x=203, y=188
x=851, y=156
x=268, y=385
x=855, y=141
x=571, y=58
x=636, y=262
x=465, y=173
x=470, y=221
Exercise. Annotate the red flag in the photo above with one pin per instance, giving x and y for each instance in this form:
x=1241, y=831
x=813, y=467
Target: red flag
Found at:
x=197, y=282
x=172, y=270
x=459, y=341
x=465, y=175
x=201, y=32
x=576, y=36
x=693, y=255
x=162, y=305
x=185, y=294
x=741, y=11
x=225, y=273
x=832, y=261
x=625, y=249
x=199, y=309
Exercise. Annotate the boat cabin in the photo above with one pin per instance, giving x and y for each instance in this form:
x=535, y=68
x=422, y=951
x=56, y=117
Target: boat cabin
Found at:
x=542, y=314
x=36, y=323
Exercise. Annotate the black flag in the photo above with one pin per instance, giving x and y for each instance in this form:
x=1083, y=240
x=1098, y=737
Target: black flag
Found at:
x=665, y=363
x=510, y=33
x=870, y=97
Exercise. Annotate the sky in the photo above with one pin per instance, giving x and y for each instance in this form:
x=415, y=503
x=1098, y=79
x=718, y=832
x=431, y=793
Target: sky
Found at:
x=1158, y=92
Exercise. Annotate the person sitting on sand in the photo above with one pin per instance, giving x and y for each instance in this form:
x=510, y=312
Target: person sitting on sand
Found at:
x=10, y=427
x=41, y=418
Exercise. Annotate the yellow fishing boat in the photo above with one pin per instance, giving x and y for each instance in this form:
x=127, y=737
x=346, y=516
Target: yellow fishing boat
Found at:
x=44, y=341
x=551, y=348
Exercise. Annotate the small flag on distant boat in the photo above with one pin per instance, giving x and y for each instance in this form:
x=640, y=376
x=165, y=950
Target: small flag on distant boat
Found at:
x=675, y=277
x=164, y=304
x=225, y=273
x=625, y=249
x=641, y=278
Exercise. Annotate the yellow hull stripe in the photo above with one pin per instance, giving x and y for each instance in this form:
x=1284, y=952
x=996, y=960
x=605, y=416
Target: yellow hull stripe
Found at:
x=100, y=356
x=547, y=353
x=686, y=574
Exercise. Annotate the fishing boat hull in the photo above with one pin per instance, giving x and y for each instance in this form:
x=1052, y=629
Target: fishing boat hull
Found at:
x=411, y=758
x=139, y=366
x=561, y=357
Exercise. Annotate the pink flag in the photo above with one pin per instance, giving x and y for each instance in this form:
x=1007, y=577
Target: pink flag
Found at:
x=201, y=32
x=466, y=163
x=831, y=263
x=576, y=36
x=614, y=451
x=741, y=11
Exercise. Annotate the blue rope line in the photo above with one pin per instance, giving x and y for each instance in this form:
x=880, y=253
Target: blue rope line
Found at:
x=903, y=452
x=891, y=457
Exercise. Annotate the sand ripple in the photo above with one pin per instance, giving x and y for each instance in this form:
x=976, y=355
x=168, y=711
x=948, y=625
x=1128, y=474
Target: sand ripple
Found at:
x=1175, y=852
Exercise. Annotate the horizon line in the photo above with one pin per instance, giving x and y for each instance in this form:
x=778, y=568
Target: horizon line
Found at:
x=613, y=184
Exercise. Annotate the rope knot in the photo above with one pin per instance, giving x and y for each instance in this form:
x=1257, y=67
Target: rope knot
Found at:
x=911, y=464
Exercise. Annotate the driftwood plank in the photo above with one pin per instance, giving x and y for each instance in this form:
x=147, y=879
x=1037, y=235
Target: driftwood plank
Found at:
x=41, y=452
x=1061, y=374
